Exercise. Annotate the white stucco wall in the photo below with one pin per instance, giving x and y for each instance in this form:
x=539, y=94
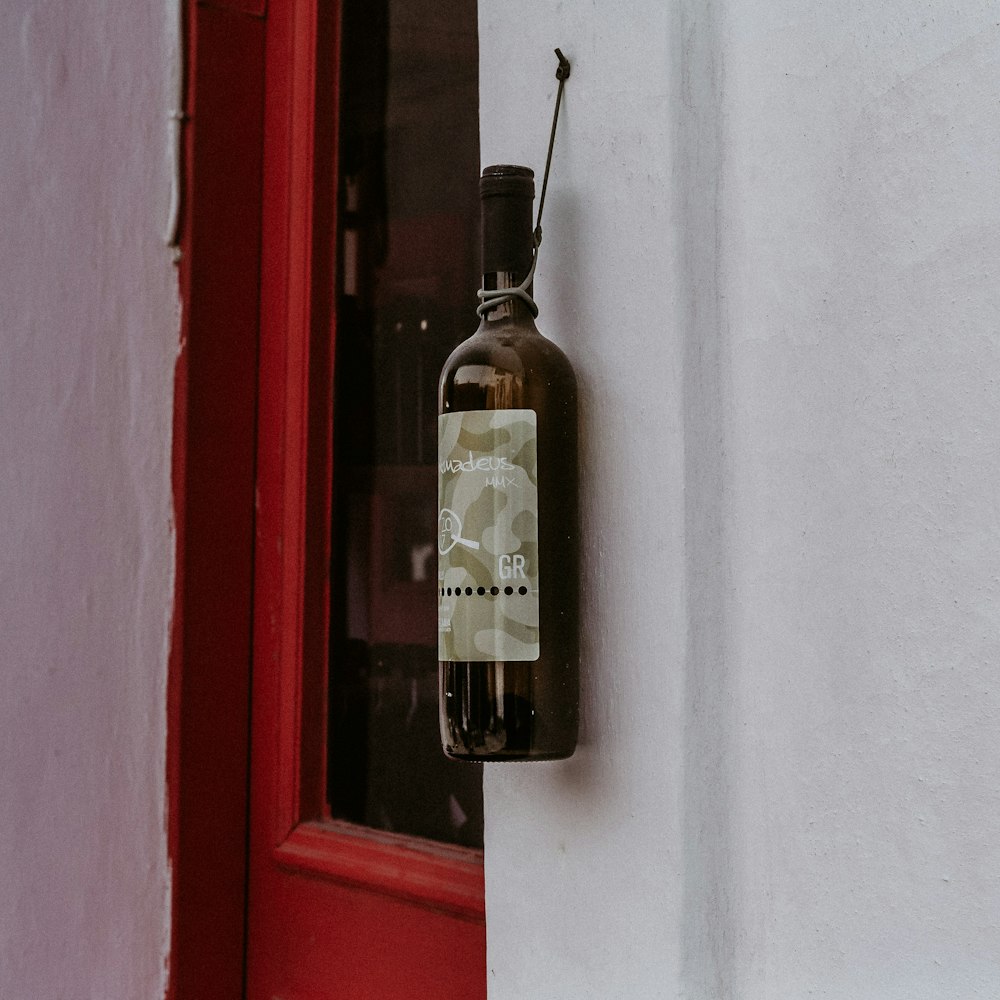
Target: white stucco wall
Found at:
x=88, y=330
x=584, y=859
x=770, y=249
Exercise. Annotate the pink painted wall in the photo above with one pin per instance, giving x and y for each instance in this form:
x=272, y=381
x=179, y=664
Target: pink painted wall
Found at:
x=89, y=321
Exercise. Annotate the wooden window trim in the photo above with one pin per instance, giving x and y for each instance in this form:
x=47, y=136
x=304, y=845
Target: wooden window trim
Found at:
x=252, y=383
x=294, y=497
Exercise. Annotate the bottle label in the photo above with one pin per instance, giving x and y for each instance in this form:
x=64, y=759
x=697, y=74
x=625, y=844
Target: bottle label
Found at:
x=488, y=535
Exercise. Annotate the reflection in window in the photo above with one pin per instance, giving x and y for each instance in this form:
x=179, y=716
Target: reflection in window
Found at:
x=408, y=268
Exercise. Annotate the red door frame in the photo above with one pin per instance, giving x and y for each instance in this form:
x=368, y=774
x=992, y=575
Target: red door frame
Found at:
x=213, y=493
x=249, y=286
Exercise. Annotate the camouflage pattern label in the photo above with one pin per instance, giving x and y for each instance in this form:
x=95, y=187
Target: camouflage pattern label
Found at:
x=488, y=535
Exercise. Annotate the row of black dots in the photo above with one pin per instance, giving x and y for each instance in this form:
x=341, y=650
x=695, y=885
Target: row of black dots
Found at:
x=481, y=591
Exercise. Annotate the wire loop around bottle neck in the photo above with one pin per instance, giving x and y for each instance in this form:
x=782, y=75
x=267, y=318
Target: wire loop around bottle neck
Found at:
x=490, y=298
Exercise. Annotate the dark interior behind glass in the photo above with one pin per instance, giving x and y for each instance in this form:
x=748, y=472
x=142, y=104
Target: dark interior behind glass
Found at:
x=408, y=267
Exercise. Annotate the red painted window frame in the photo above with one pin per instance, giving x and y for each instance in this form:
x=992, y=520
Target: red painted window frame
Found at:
x=319, y=871
x=249, y=153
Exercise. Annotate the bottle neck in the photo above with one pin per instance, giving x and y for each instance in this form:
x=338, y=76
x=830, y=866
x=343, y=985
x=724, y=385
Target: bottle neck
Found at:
x=514, y=309
x=508, y=244
x=507, y=192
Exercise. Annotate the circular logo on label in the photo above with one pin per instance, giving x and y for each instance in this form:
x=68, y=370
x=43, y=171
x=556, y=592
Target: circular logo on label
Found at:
x=450, y=532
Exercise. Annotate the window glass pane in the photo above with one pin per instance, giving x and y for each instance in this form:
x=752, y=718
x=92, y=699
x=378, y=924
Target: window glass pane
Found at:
x=407, y=274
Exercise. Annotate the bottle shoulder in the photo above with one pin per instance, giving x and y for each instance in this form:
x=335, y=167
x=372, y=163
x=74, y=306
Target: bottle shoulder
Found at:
x=499, y=349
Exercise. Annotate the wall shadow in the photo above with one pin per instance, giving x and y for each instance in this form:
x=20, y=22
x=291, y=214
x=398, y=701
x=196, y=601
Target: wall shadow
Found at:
x=710, y=911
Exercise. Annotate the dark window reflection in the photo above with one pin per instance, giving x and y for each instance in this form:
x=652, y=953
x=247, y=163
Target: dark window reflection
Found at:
x=407, y=274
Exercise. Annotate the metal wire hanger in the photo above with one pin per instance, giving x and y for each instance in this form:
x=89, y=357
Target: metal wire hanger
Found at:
x=493, y=297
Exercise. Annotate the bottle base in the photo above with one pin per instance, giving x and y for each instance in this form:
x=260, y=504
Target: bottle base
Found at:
x=497, y=711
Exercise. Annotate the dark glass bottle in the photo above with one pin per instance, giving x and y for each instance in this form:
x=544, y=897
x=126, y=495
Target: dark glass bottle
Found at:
x=508, y=515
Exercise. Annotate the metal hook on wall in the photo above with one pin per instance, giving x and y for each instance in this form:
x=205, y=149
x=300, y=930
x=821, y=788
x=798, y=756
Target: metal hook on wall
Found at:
x=489, y=299
x=562, y=75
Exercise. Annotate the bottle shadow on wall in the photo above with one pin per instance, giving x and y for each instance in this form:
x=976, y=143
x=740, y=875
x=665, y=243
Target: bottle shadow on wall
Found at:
x=565, y=300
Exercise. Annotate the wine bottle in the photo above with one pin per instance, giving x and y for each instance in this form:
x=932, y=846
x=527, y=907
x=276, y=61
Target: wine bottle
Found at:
x=508, y=643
